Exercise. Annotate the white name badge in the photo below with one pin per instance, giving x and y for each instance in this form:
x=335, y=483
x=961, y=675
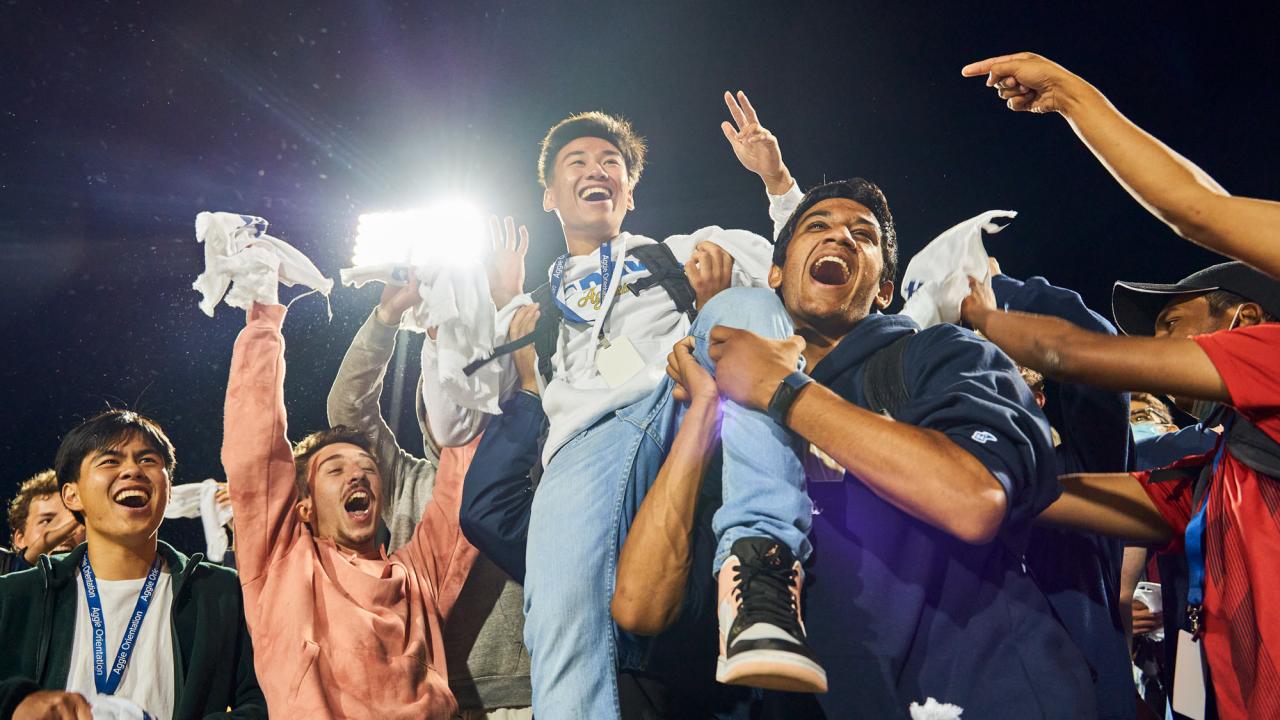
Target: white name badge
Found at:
x=1188, y=678
x=618, y=362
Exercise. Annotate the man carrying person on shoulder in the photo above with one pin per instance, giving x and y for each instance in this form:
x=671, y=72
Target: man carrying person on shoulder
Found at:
x=920, y=531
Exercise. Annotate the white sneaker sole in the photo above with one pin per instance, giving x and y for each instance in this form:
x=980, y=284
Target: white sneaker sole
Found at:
x=772, y=670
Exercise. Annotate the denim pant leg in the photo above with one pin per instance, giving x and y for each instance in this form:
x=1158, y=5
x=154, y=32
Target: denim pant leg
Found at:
x=571, y=560
x=763, y=481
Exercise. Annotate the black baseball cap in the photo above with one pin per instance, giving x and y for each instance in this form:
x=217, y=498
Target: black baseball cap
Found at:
x=1135, y=306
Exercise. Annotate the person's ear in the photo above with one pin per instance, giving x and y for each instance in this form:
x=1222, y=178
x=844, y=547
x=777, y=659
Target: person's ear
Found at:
x=71, y=497
x=885, y=296
x=1251, y=313
x=19, y=540
x=1040, y=398
x=305, y=510
x=775, y=277
x=548, y=200
x=631, y=197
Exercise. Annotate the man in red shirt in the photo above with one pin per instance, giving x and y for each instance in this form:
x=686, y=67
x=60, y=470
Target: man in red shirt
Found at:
x=1216, y=348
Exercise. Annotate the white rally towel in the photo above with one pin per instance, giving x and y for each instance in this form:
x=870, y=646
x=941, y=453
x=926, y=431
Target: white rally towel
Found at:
x=934, y=710
x=937, y=278
x=199, y=500
x=110, y=707
x=240, y=255
x=451, y=292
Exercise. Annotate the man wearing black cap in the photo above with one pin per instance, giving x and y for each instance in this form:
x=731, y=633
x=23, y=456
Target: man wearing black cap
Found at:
x=918, y=587
x=1215, y=343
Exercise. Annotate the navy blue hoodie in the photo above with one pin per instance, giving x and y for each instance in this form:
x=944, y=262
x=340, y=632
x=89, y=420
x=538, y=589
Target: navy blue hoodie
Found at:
x=1080, y=573
x=900, y=611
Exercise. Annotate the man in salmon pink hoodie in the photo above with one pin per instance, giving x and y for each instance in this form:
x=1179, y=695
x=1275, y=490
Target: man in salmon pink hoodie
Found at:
x=341, y=629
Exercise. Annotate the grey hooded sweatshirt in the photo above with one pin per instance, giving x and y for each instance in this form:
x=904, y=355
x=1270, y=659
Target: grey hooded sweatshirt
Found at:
x=483, y=638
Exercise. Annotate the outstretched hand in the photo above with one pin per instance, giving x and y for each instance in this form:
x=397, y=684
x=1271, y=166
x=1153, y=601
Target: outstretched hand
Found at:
x=757, y=148
x=505, y=261
x=1028, y=82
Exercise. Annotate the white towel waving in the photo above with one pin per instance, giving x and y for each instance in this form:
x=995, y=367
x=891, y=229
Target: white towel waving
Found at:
x=937, y=278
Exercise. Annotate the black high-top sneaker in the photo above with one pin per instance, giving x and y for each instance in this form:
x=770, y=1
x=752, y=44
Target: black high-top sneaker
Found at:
x=762, y=638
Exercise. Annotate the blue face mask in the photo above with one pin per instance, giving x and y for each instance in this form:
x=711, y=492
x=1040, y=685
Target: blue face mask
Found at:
x=1142, y=431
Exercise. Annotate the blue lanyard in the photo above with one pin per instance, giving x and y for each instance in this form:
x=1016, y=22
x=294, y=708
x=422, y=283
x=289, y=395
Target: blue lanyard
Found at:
x=108, y=679
x=606, y=275
x=1195, y=536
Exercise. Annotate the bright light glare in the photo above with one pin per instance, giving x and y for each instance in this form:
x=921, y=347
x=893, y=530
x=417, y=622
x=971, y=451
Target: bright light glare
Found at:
x=451, y=232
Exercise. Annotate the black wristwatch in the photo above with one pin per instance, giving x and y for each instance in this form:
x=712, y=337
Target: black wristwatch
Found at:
x=785, y=396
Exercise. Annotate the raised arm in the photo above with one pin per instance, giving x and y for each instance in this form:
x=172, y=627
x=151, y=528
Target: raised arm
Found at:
x=1062, y=350
x=255, y=449
x=653, y=566
x=354, y=397
x=1108, y=504
x=438, y=551
x=1168, y=185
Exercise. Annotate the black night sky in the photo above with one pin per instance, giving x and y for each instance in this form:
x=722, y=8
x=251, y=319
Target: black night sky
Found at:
x=121, y=121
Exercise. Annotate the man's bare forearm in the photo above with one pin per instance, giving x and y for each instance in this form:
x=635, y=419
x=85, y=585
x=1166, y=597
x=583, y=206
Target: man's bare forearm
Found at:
x=1111, y=504
x=1067, y=352
x=653, y=567
x=1173, y=188
x=918, y=470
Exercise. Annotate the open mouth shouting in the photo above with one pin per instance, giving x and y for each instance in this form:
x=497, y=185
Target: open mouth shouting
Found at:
x=134, y=497
x=830, y=269
x=596, y=194
x=357, y=504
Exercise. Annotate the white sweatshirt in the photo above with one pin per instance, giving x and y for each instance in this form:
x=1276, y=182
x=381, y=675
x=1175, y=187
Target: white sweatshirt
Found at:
x=578, y=395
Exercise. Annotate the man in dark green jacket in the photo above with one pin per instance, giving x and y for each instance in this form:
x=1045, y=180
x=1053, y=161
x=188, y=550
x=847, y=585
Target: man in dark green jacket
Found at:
x=80, y=627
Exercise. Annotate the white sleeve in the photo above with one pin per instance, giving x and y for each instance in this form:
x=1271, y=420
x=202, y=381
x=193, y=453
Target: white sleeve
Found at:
x=456, y=414
x=781, y=207
x=752, y=254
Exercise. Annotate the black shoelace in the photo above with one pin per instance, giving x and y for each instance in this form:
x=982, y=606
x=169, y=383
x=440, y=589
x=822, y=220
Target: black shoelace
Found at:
x=766, y=596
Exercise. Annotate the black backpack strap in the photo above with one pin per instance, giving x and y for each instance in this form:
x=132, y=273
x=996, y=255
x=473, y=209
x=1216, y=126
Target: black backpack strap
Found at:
x=547, y=330
x=1253, y=447
x=666, y=272
x=883, y=382
x=543, y=336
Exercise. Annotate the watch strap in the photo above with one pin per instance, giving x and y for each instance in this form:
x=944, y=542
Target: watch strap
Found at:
x=785, y=396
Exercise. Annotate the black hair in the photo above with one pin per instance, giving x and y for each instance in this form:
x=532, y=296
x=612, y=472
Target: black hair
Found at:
x=103, y=432
x=592, y=124
x=861, y=191
x=1221, y=301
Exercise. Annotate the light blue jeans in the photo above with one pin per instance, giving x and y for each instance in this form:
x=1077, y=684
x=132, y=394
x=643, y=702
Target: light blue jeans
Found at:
x=590, y=493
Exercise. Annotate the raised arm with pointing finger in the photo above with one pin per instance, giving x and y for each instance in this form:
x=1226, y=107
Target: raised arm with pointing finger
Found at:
x=1171, y=187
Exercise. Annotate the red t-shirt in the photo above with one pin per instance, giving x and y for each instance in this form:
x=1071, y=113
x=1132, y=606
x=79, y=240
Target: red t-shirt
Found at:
x=1241, y=613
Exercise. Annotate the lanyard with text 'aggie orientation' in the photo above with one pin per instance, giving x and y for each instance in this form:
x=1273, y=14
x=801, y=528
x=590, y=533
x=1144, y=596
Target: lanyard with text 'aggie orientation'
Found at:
x=606, y=275
x=1194, y=542
x=107, y=679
